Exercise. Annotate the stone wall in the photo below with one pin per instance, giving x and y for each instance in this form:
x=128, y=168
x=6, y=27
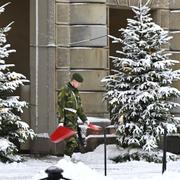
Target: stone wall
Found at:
x=174, y=28
x=154, y=4
x=81, y=38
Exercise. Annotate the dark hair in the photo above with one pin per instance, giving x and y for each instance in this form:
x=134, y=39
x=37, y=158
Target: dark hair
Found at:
x=77, y=77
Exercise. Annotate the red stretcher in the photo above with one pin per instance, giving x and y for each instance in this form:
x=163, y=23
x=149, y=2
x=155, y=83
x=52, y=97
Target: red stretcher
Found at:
x=62, y=133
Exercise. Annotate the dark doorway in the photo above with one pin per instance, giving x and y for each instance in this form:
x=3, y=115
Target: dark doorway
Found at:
x=117, y=20
x=18, y=36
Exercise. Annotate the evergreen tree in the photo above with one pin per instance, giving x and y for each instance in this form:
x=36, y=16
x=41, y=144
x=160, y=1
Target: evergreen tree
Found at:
x=140, y=89
x=13, y=131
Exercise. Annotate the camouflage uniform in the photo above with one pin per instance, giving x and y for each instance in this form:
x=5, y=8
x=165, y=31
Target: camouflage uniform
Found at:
x=69, y=109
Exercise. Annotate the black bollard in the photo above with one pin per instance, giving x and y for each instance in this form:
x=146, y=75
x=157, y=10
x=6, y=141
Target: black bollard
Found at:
x=164, y=150
x=54, y=173
x=105, y=153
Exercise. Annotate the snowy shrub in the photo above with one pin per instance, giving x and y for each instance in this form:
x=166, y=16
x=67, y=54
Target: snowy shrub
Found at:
x=140, y=89
x=7, y=149
x=141, y=155
x=13, y=131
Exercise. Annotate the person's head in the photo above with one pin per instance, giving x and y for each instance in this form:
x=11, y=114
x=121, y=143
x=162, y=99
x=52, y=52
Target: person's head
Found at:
x=76, y=80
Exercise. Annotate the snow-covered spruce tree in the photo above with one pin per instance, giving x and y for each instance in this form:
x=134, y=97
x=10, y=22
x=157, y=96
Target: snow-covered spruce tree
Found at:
x=140, y=89
x=13, y=131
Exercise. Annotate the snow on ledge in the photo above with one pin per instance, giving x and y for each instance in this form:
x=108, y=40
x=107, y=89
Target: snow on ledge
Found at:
x=98, y=119
x=101, y=136
x=43, y=135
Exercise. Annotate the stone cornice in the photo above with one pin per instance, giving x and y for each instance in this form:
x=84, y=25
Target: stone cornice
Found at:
x=154, y=4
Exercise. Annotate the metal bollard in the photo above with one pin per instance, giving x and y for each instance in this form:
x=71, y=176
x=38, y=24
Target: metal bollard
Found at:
x=105, y=152
x=54, y=173
x=164, y=151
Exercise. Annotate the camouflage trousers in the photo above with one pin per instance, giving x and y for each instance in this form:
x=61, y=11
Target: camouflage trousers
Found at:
x=74, y=144
x=71, y=145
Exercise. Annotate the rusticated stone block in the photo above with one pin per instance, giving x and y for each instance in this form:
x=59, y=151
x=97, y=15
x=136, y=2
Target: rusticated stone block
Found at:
x=92, y=35
x=63, y=35
x=164, y=18
x=62, y=13
x=134, y=3
x=175, y=56
x=161, y=17
x=120, y=3
x=62, y=77
x=80, y=13
x=92, y=79
x=160, y=4
x=174, y=4
x=82, y=57
x=152, y=3
x=164, y=14
x=84, y=1
x=164, y=4
x=175, y=42
x=93, y=102
x=82, y=35
x=63, y=57
x=176, y=84
x=174, y=20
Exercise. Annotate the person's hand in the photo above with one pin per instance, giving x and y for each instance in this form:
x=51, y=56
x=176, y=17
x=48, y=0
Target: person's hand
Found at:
x=60, y=124
x=87, y=122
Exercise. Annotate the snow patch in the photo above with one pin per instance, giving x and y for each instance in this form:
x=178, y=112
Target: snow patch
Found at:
x=98, y=119
x=75, y=171
x=43, y=135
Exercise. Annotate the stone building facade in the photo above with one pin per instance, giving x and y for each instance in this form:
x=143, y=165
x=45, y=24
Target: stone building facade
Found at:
x=69, y=36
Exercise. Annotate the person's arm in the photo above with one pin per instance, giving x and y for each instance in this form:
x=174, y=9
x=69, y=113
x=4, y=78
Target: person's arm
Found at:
x=61, y=105
x=80, y=113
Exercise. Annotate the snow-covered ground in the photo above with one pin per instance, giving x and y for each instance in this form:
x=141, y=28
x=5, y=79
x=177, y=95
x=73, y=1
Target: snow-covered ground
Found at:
x=26, y=170
x=89, y=166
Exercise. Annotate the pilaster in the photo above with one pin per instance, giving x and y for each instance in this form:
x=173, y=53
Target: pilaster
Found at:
x=42, y=70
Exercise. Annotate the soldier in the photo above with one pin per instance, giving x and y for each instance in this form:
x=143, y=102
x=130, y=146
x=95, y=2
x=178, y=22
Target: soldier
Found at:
x=69, y=109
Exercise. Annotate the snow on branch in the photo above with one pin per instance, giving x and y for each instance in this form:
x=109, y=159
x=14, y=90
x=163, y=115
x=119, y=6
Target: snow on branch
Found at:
x=2, y=8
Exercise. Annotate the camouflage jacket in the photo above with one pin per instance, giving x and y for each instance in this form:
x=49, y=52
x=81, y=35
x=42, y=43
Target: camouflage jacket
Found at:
x=69, y=105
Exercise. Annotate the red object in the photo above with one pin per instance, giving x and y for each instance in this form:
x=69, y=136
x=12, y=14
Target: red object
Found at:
x=61, y=133
x=94, y=127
